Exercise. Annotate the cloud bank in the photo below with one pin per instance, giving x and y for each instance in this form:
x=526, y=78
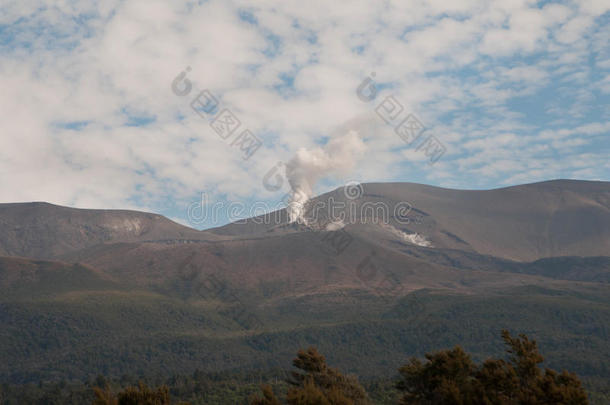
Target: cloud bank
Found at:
x=516, y=90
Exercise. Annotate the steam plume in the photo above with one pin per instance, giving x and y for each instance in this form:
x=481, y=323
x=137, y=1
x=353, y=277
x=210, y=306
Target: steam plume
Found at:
x=309, y=165
x=413, y=238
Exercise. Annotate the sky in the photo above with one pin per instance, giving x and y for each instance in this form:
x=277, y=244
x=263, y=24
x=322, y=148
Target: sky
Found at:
x=162, y=105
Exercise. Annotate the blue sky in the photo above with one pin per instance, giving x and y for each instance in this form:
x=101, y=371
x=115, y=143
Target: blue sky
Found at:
x=513, y=91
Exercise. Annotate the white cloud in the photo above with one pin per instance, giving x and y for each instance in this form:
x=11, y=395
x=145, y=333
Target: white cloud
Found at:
x=74, y=74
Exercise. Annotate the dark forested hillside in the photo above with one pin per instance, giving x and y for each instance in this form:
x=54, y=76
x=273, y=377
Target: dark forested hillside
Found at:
x=165, y=300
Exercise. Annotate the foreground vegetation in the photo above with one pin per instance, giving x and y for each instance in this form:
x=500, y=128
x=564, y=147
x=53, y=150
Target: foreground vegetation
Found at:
x=150, y=335
x=444, y=377
x=51, y=350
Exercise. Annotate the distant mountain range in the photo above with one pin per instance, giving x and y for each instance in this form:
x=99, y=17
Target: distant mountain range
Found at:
x=404, y=268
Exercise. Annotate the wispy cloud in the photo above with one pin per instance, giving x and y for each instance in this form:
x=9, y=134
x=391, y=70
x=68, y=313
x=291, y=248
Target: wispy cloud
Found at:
x=517, y=91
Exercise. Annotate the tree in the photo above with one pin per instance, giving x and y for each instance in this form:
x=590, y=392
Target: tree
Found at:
x=446, y=378
x=450, y=377
x=317, y=384
x=329, y=381
x=268, y=398
x=104, y=396
x=308, y=394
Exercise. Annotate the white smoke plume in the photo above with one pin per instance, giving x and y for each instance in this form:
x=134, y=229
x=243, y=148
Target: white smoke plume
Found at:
x=335, y=226
x=308, y=166
x=414, y=238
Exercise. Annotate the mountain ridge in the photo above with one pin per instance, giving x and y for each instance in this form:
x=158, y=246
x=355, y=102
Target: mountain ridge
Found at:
x=540, y=220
